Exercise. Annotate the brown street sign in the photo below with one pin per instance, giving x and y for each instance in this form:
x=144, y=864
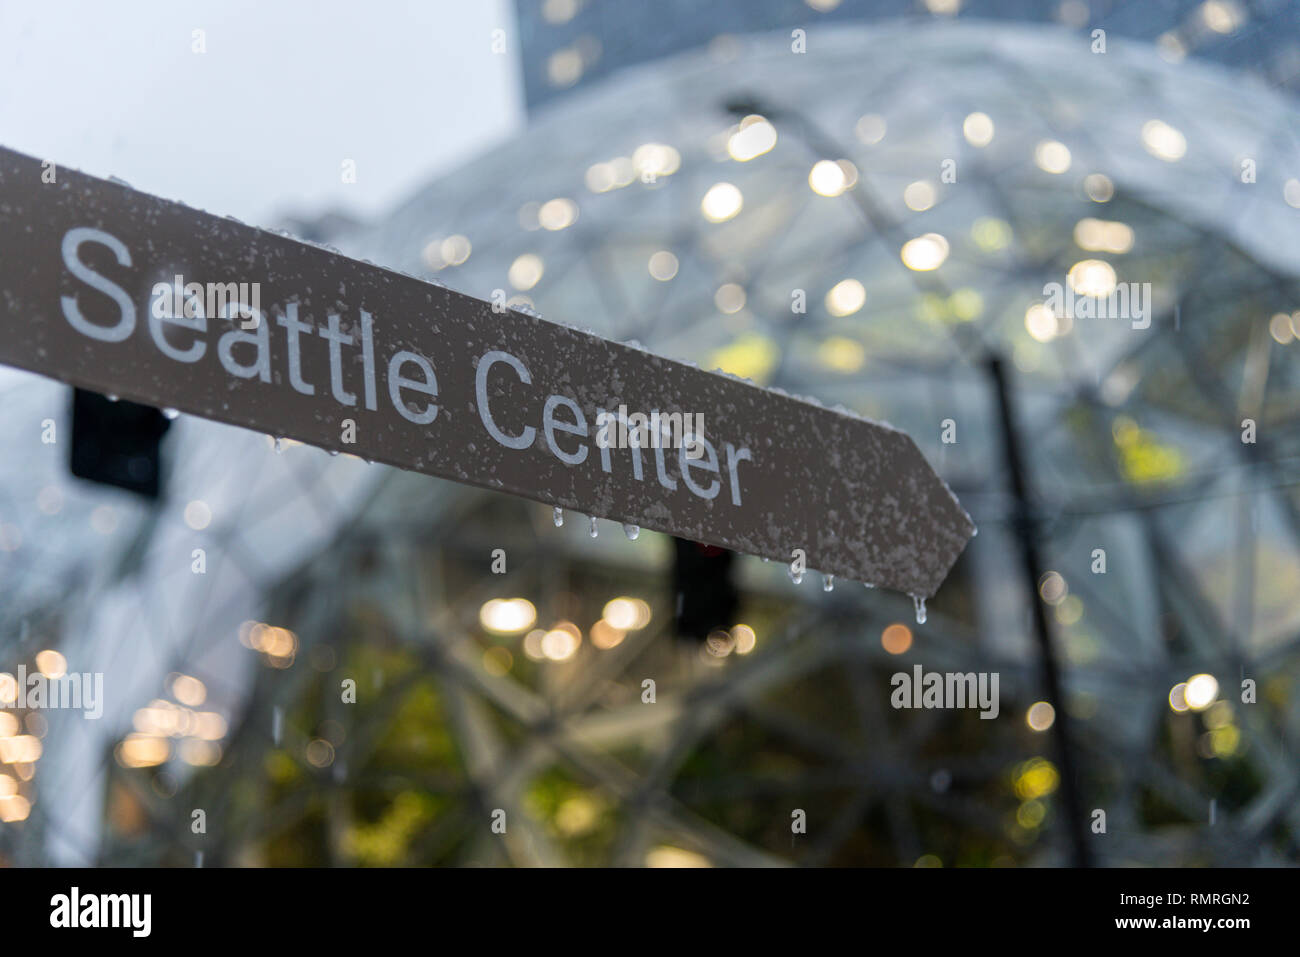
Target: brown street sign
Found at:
x=117, y=291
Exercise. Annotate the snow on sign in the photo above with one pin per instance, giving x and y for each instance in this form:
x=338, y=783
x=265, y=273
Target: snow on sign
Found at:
x=121, y=292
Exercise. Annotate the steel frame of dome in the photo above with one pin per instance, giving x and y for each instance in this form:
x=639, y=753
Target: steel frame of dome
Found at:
x=1189, y=553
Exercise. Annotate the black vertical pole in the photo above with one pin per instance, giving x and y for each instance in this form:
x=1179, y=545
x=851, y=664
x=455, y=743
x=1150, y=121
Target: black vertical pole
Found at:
x=1023, y=526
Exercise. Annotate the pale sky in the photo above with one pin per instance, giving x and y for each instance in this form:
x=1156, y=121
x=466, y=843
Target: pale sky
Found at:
x=261, y=123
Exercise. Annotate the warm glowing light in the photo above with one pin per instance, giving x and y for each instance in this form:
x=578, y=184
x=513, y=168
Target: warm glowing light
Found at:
x=51, y=663
x=577, y=815
x=663, y=265
x=1030, y=814
x=142, y=751
x=719, y=643
x=752, y=139
x=1069, y=611
x=451, y=251
x=627, y=614
x=20, y=749
x=896, y=638
x=600, y=177
x=842, y=354
x=455, y=249
x=1036, y=778
x=1098, y=187
x=1178, y=696
x=1218, y=715
x=1041, y=322
x=978, y=129
x=845, y=297
x=1092, y=277
x=561, y=642
x=667, y=856
x=8, y=786
x=1052, y=156
x=1102, y=236
x=828, y=178
x=559, y=11
x=1201, y=691
x=652, y=160
x=209, y=726
x=1224, y=741
x=557, y=214
x=721, y=202
x=925, y=252
x=1163, y=141
x=1052, y=588
x=871, y=128
x=730, y=298
x=564, y=67
x=605, y=636
x=533, y=644
x=990, y=233
x=200, y=753
x=1171, y=47
x=498, y=661
x=14, y=809
x=620, y=613
x=1280, y=328
x=189, y=691
x=507, y=616
x=1040, y=716
x=745, y=639
x=198, y=515
x=1291, y=193
x=750, y=356
x=919, y=196
x=8, y=725
x=526, y=271
x=279, y=642
x=1222, y=16
x=158, y=719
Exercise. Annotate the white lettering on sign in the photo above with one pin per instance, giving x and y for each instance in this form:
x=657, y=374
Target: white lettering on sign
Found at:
x=244, y=350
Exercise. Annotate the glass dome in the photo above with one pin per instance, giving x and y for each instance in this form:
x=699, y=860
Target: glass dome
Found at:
x=867, y=223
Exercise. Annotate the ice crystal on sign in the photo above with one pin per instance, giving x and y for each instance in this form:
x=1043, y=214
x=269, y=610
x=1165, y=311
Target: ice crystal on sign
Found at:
x=170, y=413
x=919, y=604
x=828, y=583
x=594, y=530
x=558, y=516
x=632, y=531
x=795, y=576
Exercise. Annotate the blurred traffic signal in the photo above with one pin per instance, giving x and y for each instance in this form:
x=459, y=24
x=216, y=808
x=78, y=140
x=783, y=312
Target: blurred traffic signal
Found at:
x=706, y=600
x=117, y=442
